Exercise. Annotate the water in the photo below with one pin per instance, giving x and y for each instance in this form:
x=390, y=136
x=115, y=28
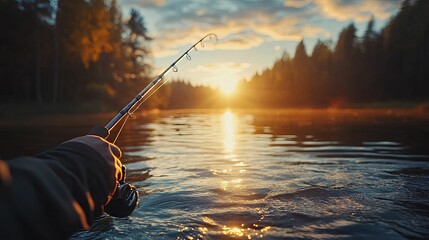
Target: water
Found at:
x=279, y=174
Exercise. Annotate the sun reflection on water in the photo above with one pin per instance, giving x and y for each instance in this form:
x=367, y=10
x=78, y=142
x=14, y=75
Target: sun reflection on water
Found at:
x=242, y=231
x=228, y=129
x=233, y=187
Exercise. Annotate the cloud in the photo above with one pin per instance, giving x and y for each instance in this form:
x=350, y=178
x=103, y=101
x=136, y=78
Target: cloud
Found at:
x=241, y=41
x=239, y=25
x=357, y=10
x=296, y=3
x=291, y=29
x=161, y=51
x=243, y=25
x=229, y=66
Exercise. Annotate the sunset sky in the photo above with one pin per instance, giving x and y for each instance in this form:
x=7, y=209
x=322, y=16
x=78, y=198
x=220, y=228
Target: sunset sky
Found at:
x=252, y=33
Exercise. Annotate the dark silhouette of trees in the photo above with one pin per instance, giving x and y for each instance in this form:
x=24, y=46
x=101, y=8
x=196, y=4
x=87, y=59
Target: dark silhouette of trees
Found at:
x=136, y=34
x=405, y=42
x=321, y=65
x=183, y=95
x=392, y=64
x=82, y=51
x=71, y=51
x=346, y=55
x=17, y=52
x=371, y=49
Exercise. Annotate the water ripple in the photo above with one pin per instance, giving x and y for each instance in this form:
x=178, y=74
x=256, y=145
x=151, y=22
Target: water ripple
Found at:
x=280, y=174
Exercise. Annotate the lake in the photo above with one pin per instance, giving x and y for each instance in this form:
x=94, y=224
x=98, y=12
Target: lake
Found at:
x=259, y=174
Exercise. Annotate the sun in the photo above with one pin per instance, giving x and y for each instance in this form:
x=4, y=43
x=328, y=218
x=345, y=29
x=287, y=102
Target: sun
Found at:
x=223, y=76
x=227, y=87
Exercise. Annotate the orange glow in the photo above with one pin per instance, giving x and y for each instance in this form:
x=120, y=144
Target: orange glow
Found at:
x=228, y=128
x=244, y=232
x=227, y=88
x=222, y=75
x=233, y=231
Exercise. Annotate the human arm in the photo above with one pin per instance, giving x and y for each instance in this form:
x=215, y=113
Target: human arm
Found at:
x=58, y=192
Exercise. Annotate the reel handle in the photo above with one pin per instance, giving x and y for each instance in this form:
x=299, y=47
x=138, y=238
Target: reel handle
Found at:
x=125, y=199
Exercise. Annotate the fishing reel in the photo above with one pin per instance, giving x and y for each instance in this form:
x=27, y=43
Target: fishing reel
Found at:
x=124, y=200
x=126, y=197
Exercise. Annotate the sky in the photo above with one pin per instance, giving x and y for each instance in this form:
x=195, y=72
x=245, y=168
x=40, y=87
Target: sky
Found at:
x=252, y=34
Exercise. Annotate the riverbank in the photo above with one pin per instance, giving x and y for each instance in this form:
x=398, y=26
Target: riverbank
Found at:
x=8, y=110
x=322, y=114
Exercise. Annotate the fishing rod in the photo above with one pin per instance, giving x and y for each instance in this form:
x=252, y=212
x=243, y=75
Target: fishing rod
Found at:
x=126, y=196
x=142, y=96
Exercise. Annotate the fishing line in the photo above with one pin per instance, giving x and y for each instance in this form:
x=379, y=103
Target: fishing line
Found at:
x=120, y=129
x=149, y=90
x=126, y=195
x=131, y=112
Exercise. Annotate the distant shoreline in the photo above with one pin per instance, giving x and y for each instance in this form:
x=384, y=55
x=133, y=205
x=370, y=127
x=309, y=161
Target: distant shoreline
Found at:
x=30, y=109
x=34, y=117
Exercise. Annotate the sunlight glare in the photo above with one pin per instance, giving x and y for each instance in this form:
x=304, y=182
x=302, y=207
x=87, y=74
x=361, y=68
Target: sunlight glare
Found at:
x=227, y=88
x=228, y=128
x=224, y=76
x=242, y=231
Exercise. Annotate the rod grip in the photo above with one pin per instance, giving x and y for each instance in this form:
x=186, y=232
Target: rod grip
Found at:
x=99, y=131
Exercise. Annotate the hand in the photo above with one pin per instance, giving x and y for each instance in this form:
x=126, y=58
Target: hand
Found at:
x=109, y=151
x=124, y=197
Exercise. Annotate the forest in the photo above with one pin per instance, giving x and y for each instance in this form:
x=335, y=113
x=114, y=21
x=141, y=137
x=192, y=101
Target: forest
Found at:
x=72, y=52
x=390, y=65
x=84, y=52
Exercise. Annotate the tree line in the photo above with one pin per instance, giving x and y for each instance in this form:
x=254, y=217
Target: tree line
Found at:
x=83, y=51
x=71, y=51
x=389, y=65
